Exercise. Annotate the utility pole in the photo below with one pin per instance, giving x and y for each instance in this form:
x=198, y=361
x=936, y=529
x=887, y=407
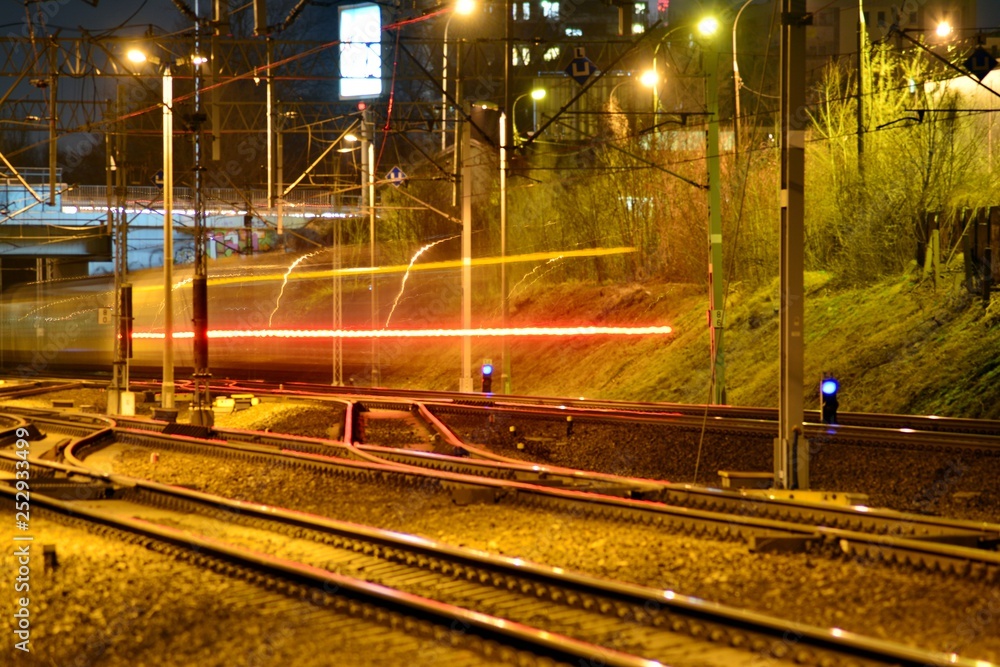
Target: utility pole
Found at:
x=716, y=305
x=791, y=451
x=167, y=387
x=120, y=400
x=201, y=406
x=506, y=139
x=337, y=375
x=862, y=47
x=465, y=382
x=368, y=206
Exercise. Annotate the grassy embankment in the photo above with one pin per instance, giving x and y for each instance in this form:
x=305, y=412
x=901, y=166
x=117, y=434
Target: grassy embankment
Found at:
x=897, y=346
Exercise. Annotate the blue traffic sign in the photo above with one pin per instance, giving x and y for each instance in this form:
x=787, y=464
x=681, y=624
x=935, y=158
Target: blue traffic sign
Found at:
x=980, y=63
x=581, y=67
x=158, y=179
x=396, y=176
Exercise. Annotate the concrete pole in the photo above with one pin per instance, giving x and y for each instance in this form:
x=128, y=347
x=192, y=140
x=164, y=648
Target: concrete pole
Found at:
x=505, y=363
x=368, y=205
x=507, y=138
x=167, y=390
x=791, y=451
x=465, y=383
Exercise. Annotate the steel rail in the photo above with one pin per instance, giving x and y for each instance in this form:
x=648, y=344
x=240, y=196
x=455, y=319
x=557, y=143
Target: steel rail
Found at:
x=915, y=422
x=657, y=612
x=325, y=584
x=483, y=481
x=762, y=534
x=460, y=477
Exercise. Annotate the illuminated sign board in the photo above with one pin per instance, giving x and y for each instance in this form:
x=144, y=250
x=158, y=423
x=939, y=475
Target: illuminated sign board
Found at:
x=360, y=51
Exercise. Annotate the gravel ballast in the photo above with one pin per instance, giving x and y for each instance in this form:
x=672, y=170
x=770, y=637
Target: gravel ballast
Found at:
x=114, y=604
x=940, y=482
x=919, y=608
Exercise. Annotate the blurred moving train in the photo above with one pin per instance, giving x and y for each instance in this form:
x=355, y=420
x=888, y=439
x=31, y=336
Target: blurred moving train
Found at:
x=67, y=326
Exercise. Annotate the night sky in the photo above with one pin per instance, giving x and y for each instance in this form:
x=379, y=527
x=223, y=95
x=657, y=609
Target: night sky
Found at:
x=71, y=15
x=989, y=14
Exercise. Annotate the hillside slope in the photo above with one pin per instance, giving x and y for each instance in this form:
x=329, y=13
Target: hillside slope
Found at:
x=897, y=346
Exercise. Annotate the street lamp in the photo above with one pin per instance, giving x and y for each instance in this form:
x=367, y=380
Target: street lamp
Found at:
x=737, y=82
x=655, y=71
x=536, y=94
x=650, y=79
x=708, y=26
x=462, y=7
x=167, y=388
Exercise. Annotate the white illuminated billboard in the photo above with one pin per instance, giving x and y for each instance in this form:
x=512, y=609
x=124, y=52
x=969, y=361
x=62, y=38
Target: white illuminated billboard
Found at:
x=360, y=51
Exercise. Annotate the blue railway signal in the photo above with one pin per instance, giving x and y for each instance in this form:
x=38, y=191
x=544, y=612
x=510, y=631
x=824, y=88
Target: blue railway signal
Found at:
x=828, y=400
x=487, y=371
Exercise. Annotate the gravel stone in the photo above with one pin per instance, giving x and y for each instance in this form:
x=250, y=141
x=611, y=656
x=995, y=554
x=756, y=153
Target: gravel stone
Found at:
x=115, y=604
x=929, y=610
x=927, y=481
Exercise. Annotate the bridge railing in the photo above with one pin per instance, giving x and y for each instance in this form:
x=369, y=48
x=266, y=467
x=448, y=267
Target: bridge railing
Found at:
x=315, y=200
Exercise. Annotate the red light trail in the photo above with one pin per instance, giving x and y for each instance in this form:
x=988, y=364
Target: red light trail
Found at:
x=417, y=333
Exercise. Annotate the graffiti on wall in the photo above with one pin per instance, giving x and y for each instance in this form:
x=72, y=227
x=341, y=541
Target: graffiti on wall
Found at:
x=229, y=242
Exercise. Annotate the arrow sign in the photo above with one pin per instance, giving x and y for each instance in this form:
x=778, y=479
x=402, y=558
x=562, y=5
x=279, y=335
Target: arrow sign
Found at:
x=396, y=176
x=581, y=67
x=980, y=63
x=158, y=179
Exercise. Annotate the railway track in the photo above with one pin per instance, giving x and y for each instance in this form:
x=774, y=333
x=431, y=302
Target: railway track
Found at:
x=404, y=624
x=932, y=423
x=960, y=547
x=620, y=623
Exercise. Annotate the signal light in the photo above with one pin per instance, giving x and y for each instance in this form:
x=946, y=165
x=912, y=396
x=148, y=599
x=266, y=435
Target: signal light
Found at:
x=828, y=400
x=487, y=371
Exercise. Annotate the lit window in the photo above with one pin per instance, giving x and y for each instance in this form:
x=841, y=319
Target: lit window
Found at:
x=526, y=10
x=551, y=54
x=520, y=56
x=640, y=8
x=638, y=28
x=574, y=32
x=550, y=10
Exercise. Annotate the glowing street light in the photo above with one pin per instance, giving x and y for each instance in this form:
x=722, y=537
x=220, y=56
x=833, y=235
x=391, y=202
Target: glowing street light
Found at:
x=737, y=82
x=708, y=26
x=536, y=94
x=943, y=29
x=705, y=27
x=462, y=8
